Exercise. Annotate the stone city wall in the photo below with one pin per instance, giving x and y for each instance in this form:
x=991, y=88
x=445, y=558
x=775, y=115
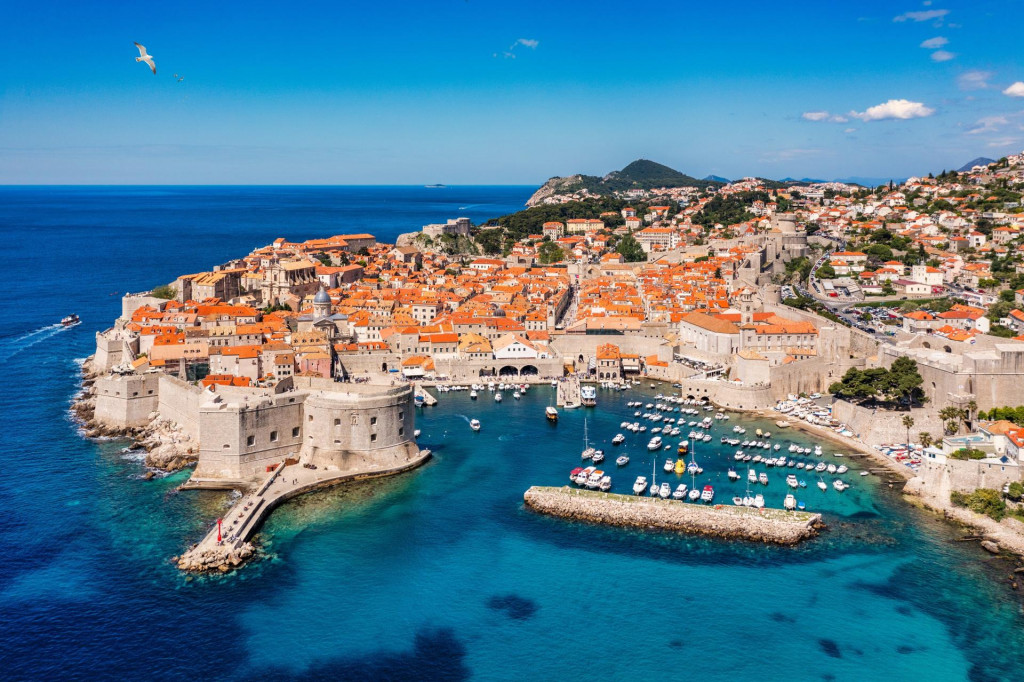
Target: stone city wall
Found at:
x=126, y=401
x=940, y=478
x=178, y=401
x=877, y=426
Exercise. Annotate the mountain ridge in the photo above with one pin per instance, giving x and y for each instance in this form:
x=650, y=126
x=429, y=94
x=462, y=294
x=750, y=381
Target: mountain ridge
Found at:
x=640, y=174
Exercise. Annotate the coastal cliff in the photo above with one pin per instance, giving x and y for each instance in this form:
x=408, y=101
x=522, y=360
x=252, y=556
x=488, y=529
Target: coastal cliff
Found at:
x=555, y=186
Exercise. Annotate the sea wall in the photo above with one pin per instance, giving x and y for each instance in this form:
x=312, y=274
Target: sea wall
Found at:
x=126, y=401
x=178, y=402
x=727, y=394
x=764, y=525
x=877, y=426
x=940, y=478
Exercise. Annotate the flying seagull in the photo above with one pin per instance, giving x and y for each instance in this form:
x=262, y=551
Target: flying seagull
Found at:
x=144, y=57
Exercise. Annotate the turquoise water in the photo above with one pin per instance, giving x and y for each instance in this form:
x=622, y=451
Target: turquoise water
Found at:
x=439, y=573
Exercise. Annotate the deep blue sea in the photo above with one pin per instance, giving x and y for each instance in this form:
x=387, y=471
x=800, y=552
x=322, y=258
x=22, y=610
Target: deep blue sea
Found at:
x=440, y=573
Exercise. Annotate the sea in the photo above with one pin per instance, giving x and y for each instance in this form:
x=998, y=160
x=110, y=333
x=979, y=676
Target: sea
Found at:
x=439, y=573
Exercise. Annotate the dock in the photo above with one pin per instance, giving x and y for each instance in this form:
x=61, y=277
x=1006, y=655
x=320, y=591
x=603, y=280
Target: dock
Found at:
x=568, y=393
x=428, y=397
x=245, y=517
x=777, y=526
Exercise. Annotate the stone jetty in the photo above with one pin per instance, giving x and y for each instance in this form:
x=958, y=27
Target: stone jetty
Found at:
x=726, y=521
x=228, y=546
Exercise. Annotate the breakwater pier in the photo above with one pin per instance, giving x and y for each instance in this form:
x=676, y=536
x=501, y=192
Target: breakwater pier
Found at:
x=760, y=525
x=227, y=544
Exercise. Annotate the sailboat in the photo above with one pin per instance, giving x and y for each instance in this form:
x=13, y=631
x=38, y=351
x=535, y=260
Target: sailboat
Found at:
x=654, y=479
x=588, y=452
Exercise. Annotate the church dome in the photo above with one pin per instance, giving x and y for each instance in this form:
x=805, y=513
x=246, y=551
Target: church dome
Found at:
x=321, y=296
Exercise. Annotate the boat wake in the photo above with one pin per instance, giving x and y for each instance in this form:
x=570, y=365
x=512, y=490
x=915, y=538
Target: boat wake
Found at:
x=464, y=417
x=11, y=347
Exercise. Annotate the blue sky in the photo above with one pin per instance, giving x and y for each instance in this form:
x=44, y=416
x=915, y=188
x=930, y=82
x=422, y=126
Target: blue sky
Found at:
x=475, y=92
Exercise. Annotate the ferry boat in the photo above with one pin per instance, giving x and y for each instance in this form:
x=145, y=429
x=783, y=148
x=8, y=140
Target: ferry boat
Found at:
x=640, y=485
x=551, y=413
x=70, y=321
x=474, y=424
x=588, y=395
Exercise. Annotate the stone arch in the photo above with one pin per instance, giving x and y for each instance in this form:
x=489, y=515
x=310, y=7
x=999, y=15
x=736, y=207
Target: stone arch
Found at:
x=690, y=397
x=581, y=357
x=529, y=370
x=508, y=371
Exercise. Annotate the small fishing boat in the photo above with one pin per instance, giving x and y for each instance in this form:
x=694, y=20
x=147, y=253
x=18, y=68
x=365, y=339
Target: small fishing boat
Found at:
x=831, y=468
x=864, y=473
x=497, y=397
x=594, y=479
x=474, y=424
x=416, y=433
x=842, y=469
x=737, y=500
x=619, y=439
x=751, y=475
x=694, y=494
x=581, y=478
x=839, y=485
x=574, y=473
x=516, y=395
x=822, y=486
x=598, y=456
x=622, y=460
x=70, y=321
x=801, y=506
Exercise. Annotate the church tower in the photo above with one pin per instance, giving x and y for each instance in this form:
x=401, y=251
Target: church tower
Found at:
x=321, y=304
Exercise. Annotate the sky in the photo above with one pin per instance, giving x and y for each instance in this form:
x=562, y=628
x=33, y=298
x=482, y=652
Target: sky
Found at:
x=503, y=92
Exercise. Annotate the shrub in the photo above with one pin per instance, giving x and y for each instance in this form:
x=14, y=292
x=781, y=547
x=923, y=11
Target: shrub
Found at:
x=968, y=453
x=982, y=501
x=165, y=291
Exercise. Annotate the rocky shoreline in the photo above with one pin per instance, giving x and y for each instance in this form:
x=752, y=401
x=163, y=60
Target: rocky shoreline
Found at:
x=167, y=447
x=774, y=526
x=213, y=561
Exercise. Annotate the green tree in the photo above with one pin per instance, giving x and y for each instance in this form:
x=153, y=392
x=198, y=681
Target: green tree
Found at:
x=925, y=439
x=165, y=291
x=826, y=271
x=490, y=241
x=550, y=252
x=630, y=249
x=908, y=423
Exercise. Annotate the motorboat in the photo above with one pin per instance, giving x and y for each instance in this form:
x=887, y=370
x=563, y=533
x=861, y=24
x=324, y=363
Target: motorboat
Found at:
x=416, y=433
x=654, y=490
x=497, y=397
x=839, y=485
x=864, y=473
x=792, y=482
x=842, y=469
x=473, y=395
x=751, y=475
x=474, y=424
x=669, y=467
x=801, y=506
x=822, y=486
x=708, y=494
x=551, y=413
x=821, y=466
x=680, y=492
x=581, y=478
x=790, y=502
x=574, y=473
x=733, y=476
x=759, y=501
x=831, y=468
x=665, y=491
x=516, y=395
x=762, y=478
x=619, y=439
x=70, y=321
x=594, y=479
x=737, y=500
x=640, y=485
x=654, y=444
x=622, y=460
x=606, y=484
x=680, y=466
x=694, y=494
x=598, y=456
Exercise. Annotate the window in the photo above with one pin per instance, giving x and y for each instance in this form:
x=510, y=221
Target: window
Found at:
x=273, y=436
x=401, y=430
x=337, y=422
x=401, y=416
x=373, y=437
x=295, y=432
x=250, y=441
x=310, y=417
x=373, y=420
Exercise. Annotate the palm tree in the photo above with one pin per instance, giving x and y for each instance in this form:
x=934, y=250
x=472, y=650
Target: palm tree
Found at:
x=972, y=408
x=925, y=438
x=908, y=422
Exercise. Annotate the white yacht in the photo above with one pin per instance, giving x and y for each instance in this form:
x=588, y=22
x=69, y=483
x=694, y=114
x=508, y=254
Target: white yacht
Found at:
x=839, y=485
x=640, y=485
x=822, y=486
x=474, y=424
x=751, y=475
x=759, y=501
x=669, y=467
x=654, y=444
x=842, y=469
x=790, y=502
x=606, y=484
x=516, y=395
x=497, y=397
x=619, y=439
x=665, y=491
x=763, y=478
x=791, y=481
x=473, y=394
x=680, y=492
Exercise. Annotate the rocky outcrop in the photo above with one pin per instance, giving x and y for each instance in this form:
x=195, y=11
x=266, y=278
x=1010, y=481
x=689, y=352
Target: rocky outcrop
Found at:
x=764, y=525
x=221, y=559
x=554, y=186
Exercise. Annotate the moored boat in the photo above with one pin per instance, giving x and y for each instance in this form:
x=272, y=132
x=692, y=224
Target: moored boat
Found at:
x=551, y=413
x=790, y=502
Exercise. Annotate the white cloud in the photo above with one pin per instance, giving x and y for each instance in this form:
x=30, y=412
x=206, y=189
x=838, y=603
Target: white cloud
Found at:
x=823, y=116
x=894, y=109
x=974, y=80
x=528, y=42
x=934, y=43
x=850, y=130
x=1004, y=142
x=942, y=56
x=1015, y=90
x=510, y=53
x=924, y=15
x=988, y=124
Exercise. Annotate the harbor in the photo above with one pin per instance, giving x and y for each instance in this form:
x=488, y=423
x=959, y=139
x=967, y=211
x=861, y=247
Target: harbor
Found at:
x=759, y=525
